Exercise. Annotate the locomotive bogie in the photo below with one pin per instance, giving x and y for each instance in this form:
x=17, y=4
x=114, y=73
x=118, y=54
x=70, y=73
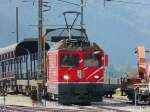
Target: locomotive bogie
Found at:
x=80, y=92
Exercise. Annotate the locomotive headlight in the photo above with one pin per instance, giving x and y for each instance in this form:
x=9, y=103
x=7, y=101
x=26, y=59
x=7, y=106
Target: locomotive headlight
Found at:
x=96, y=76
x=66, y=77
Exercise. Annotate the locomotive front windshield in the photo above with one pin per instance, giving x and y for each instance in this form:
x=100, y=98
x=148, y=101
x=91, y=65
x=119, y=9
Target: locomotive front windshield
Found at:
x=69, y=60
x=92, y=60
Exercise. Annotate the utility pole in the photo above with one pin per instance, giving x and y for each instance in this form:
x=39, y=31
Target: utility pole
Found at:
x=17, y=26
x=81, y=14
x=39, y=65
x=81, y=24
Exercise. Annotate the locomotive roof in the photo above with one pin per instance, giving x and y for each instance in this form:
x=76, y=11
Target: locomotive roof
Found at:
x=75, y=45
x=19, y=49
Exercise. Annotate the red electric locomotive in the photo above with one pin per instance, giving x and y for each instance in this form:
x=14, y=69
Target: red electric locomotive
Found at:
x=75, y=70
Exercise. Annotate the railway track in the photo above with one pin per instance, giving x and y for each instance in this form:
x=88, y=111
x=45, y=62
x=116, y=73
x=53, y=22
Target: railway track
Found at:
x=99, y=109
x=14, y=108
x=117, y=100
x=113, y=104
x=108, y=105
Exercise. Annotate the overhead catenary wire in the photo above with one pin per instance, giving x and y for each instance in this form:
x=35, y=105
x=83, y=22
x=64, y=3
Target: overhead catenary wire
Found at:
x=128, y=2
x=69, y=2
x=75, y=4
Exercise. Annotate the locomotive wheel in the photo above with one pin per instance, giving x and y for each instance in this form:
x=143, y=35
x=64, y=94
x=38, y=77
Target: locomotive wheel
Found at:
x=147, y=100
x=27, y=93
x=54, y=97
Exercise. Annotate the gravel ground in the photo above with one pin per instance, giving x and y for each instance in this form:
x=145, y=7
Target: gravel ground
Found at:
x=108, y=105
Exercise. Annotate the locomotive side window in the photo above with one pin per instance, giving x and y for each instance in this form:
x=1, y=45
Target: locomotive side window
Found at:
x=92, y=60
x=69, y=60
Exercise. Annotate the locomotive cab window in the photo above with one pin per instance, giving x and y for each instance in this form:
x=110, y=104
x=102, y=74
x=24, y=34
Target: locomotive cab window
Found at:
x=69, y=60
x=92, y=60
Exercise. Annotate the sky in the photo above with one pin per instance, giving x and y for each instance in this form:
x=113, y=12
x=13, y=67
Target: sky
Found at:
x=118, y=28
